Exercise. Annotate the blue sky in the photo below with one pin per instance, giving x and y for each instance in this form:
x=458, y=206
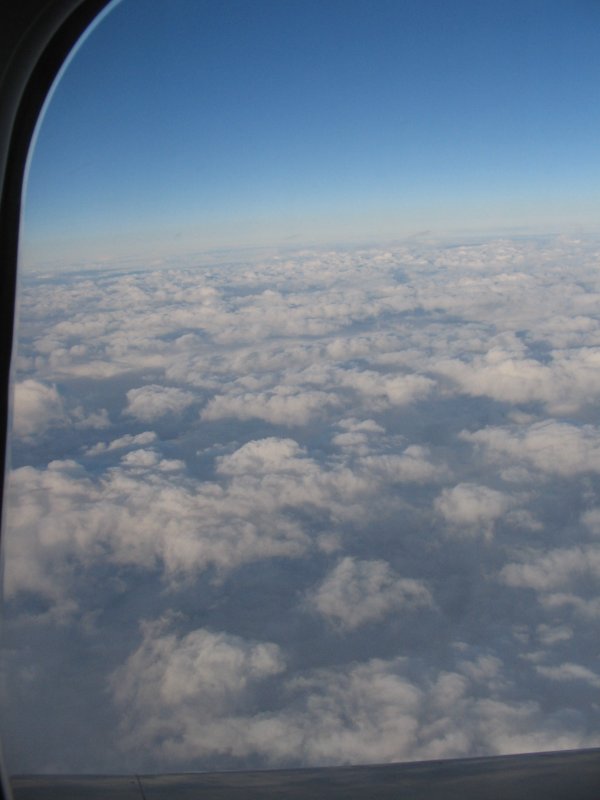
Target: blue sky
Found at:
x=191, y=125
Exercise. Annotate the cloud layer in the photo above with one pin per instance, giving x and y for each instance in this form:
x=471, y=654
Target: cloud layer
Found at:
x=322, y=507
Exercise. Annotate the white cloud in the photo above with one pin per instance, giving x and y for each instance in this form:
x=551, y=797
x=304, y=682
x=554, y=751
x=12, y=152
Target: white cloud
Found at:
x=367, y=356
x=554, y=569
x=35, y=408
x=383, y=391
x=553, y=634
x=264, y=456
x=568, y=382
x=356, y=592
x=587, y=608
x=149, y=403
x=191, y=696
x=360, y=436
x=484, y=669
x=141, y=458
x=283, y=405
x=570, y=672
x=171, y=464
x=177, y=688
x=558, y=448
x=413, y=464
x=96, y=419
x=145, y=516
x=129, y=440
x=472, y=509
x=35, y=554
x=144, y=513
x=591, y=519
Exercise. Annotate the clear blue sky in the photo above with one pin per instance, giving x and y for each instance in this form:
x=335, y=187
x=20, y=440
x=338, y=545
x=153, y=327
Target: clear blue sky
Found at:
x=193, y=124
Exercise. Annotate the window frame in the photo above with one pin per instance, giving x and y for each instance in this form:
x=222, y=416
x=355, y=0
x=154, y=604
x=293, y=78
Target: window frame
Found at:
x=36, y=37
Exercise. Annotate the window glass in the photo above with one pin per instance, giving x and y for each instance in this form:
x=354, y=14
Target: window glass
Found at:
x=306, y=444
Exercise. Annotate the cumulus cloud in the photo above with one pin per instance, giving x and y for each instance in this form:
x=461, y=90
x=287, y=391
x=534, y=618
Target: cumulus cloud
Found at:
x=149, y=403
x=177, y=689
x=129, y=440
x=429, y=396
x=96, y=419
x=383, y=391
x=585, y=607
x=553, y=634
x=591, y=519
x=413, y=464
x=472, y=509
x=140, y=517
x=357, y=435
x=141, y=458
x=185, y=696
x=554, y=569
x=570, y=672
x=568, y=382
x=36, y=407
x=282, y=406
x=296, y=400
x=356, y=592
x=265, y=456
x=143, y=513
x=553, y=447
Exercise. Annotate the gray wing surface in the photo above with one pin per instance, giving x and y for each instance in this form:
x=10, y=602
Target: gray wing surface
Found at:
x=548, y=776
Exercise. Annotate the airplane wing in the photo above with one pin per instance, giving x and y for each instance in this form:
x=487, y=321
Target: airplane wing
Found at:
x=572, y=774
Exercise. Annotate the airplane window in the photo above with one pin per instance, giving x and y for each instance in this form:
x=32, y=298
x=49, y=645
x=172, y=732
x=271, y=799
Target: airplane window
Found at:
x=305, y=455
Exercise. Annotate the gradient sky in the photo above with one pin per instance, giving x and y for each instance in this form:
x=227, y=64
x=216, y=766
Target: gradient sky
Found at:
x=195, y=124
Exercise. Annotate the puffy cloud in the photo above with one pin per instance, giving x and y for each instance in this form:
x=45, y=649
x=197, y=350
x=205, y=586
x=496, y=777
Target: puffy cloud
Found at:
x=383, y=391
x=553, y=634
x=472, y=509
x=558, y=448
x=263, y=456
x=413, y=464
x=34, y=551
x=144, y=514
x=149, y=403
x=373, y=712
x=591, y=519
x=129, y=440
x=376, y=360
x=564, y=385
x=554, y=569
x=136, y=515
x=188, y=696
x=357, y=435
x=296, y=399
x=36, y=407
x=282, y=406
x=171, y=464
x=570, y=672
x=486, y=669
x=97, y=419
x=177, y=689
x=141, y=458
x=357, y=592
x=562, y=578
x=588, y=608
